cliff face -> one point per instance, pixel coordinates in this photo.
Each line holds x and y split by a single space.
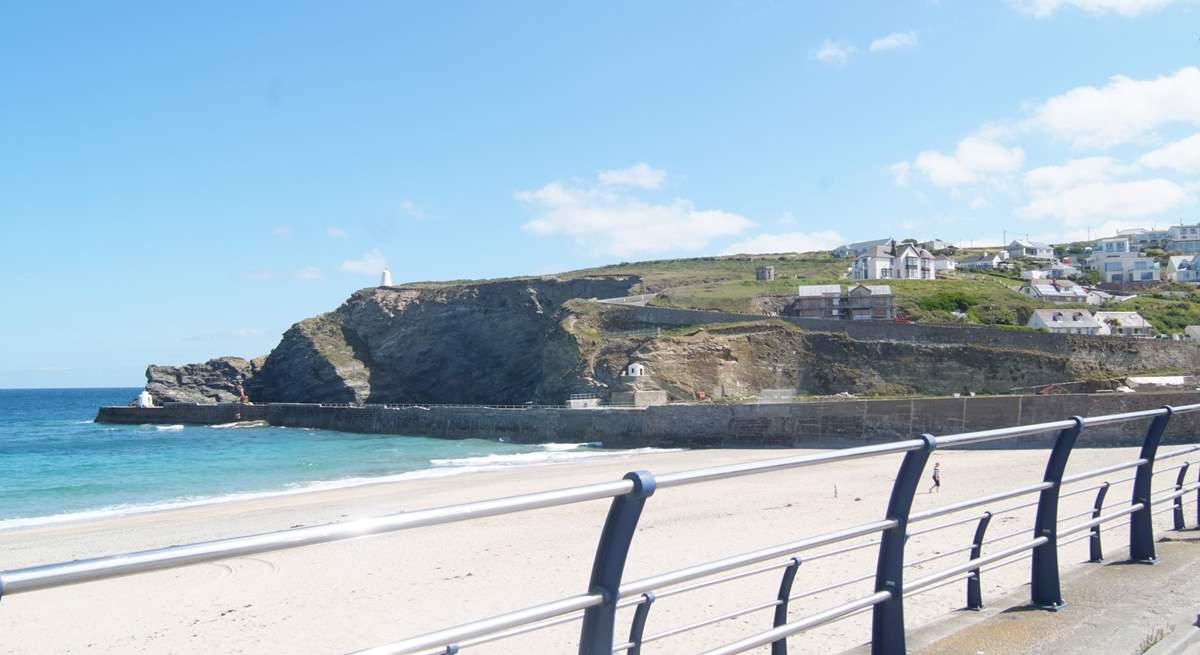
496 343
741 360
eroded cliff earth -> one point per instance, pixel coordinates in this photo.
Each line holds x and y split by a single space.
540 340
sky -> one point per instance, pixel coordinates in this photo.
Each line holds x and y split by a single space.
180 181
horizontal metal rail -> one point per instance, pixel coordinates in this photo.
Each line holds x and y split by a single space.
485 626
701 570
1177 453
807 623
783 463
968 565
1101 471
976 502
1103 518
707 622
53 575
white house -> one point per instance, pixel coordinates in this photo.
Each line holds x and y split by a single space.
1055 291
896 261
1183 268
1064 321
943 265
1192 331
1124 324
1184 238
981 262
1031 250
635 370
1034 274
1122 267
1063 270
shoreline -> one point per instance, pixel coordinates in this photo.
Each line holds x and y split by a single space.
437 468
365 592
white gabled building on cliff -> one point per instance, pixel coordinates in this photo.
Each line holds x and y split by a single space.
897 261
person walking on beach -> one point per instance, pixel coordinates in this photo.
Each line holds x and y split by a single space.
937 478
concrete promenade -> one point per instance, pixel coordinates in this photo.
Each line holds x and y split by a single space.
1114 607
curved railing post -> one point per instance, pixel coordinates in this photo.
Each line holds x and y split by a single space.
596 635
974 588
779 647
1095 551
1141 523
1178 504
887 620
1045 590
639 623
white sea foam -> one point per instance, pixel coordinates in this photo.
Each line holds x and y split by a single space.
168 428
242 424
551 453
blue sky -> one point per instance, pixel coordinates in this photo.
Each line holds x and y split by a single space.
184 181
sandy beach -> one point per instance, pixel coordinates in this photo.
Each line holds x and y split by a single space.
340 597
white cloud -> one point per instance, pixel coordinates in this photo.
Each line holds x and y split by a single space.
893 41
1074 173
1045 8
610 223
1138 198
336 232
371 263
975 158
415 211
282 231
901 173
1183 156
309 273
834 52
787 242
1124 111
640 175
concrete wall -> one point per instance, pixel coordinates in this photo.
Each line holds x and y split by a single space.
808 424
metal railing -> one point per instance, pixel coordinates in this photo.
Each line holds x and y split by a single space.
596 608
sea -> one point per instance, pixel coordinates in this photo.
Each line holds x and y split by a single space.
57 465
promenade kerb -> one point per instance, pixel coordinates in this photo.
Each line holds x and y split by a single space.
596 606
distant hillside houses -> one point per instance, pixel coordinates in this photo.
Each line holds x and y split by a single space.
1177 238
1124 324
861 247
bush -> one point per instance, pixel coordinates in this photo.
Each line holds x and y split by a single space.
948 301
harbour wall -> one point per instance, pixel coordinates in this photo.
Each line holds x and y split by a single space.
813 424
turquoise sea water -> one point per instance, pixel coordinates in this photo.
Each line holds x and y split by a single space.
55 464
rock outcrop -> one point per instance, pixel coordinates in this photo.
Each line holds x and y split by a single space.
216 380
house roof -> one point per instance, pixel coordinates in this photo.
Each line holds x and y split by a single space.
819 290
1123 319
1072 318
867 244
1062 288
874 289
985 257
1023 243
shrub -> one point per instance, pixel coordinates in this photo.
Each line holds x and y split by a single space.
948 301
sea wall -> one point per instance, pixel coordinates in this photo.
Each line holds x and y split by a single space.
805 424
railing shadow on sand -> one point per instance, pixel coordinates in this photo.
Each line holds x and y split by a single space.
607 592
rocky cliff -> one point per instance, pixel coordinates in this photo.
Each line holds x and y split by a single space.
536 340
496 342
